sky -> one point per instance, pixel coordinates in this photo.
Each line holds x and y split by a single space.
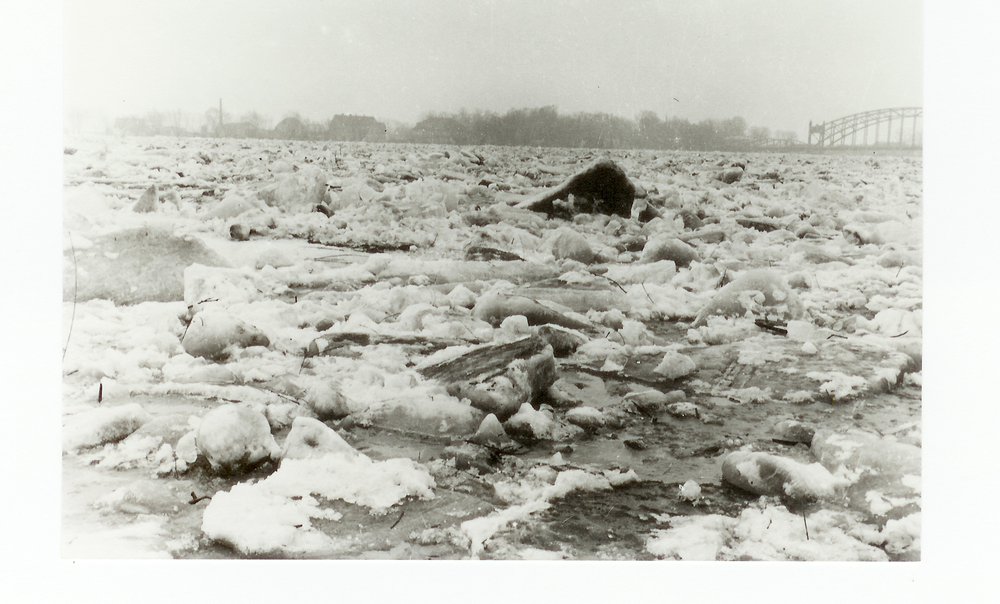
777 64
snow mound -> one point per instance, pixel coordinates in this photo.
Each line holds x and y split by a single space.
274 515
235 436
765 533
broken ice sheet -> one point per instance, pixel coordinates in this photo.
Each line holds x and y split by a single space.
358 249
273 515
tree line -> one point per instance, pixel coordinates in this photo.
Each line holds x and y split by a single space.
546 127
539 127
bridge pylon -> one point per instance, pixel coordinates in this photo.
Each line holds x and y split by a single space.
845 131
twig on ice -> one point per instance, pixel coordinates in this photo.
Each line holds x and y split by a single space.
397 520
616 284
805 525
646 292
195 499
72 316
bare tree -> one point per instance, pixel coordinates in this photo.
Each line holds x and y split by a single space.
156 120
178 119
255 119
212 118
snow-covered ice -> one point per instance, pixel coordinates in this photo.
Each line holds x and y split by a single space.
259 334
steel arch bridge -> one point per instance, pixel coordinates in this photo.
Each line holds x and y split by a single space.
867 126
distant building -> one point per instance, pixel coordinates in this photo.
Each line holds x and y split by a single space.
356 128
173 131
438 130
291 128
133 126
240 130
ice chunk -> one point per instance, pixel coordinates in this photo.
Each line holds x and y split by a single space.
790 430
760 292
527 366
683 410
280 415
675 250
300 191
461 297
312 438
884 474
150 445
895 259
149 202
768 532
588 418
131 541
255 520
273 515
424 408
533 499
690 491
102 425
774 533
839 385
692 537
235 436
214 332
514 328
894 322
571 245
205 285
730 175
902 536
891 231
766 474
801 331
275 257
675 365
186 451
539 425
491 433
494 308
233 205
133 266
651 401
658 272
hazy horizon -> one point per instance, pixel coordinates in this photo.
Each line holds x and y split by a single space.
775 64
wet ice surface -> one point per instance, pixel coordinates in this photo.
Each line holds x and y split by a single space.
236 291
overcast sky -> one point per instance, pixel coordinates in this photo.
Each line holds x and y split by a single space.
776 63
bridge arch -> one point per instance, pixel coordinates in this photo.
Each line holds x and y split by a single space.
866 129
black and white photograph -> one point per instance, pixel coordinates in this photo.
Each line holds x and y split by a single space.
517 300
556 282
492 280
